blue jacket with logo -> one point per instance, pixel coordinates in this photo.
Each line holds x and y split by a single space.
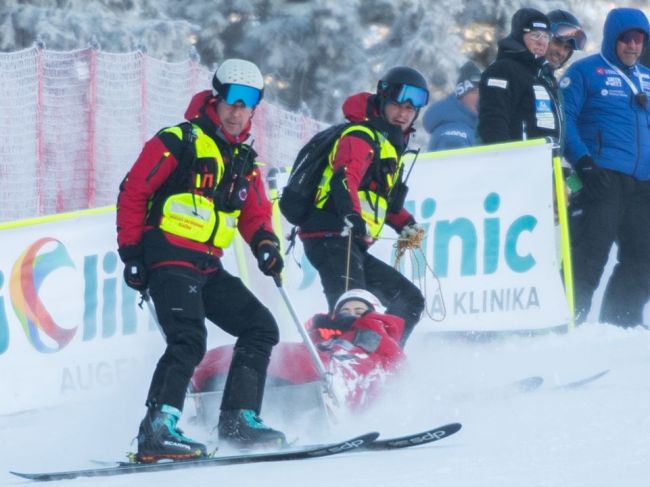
603 120
451 124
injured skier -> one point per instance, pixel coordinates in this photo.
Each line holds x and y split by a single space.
358 345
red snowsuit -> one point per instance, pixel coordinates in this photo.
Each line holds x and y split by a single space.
360 359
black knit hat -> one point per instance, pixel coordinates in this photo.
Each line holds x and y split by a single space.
469 77
527 19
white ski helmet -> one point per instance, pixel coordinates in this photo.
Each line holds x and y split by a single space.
360 295
238 80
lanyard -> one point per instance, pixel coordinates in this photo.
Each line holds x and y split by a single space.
629 82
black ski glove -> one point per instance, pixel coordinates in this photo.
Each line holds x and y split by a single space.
357 226
269 258
135 274
595 179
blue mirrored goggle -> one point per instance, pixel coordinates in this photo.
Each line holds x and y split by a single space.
247 95
414 94
569 33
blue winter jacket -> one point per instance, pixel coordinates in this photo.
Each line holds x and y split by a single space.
603 120
451 124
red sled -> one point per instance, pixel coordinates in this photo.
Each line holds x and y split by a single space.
293 392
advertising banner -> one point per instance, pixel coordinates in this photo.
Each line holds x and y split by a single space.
69 326
489 261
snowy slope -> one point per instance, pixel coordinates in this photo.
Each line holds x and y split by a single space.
595 436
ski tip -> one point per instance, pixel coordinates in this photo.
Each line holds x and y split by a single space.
582 382
28 476
452 428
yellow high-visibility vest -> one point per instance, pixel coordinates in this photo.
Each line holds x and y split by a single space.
373 205
191 214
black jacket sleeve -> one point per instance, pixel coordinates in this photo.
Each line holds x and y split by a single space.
496 104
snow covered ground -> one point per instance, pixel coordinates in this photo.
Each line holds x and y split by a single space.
598 435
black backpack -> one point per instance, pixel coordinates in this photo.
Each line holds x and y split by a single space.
298 196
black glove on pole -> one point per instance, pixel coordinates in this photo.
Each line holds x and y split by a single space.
135 274
269 258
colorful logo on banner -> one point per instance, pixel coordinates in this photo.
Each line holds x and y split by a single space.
27 276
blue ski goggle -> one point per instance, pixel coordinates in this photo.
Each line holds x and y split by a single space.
233 93
414 94
569 33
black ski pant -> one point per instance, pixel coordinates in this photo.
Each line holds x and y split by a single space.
183 298
621 216
399 295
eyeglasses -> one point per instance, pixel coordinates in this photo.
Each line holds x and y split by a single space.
641 99
249 96
403 93
569 33
632 35
537 35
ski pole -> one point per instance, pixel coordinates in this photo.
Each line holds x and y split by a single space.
347 231
147 299
325 376
415 158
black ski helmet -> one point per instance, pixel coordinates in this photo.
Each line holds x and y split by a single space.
391 84
565 27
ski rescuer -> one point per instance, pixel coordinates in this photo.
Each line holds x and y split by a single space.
192 187
362 189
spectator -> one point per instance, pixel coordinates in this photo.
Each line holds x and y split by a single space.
516 101
567 36
608 145
452 121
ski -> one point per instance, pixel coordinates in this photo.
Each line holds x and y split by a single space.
123 468
581 382
415 439
525 385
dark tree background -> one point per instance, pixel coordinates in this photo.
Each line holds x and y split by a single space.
313 53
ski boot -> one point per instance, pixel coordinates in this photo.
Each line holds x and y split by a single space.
159 438
243 428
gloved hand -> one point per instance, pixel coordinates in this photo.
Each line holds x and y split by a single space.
411 230
357 226
135 274
269 259
411 235
595 179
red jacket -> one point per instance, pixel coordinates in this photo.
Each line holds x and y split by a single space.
380 346
362 358
355 153
156 163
